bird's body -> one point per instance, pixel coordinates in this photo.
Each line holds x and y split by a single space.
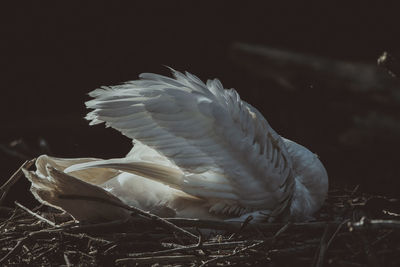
199 151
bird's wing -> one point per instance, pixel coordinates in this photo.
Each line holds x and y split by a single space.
224 146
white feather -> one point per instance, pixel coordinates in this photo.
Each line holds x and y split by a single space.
208 145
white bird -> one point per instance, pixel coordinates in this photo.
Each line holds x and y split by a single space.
199 151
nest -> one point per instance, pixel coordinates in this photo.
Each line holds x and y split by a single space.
352 229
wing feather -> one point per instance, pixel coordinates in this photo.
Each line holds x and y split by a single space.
204 130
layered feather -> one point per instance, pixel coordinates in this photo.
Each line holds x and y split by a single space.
212 144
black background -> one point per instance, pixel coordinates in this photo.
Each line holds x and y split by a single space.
53 53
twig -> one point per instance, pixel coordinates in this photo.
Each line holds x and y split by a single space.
224 245
364 224
5 212
323 247
159 259
97 227
256 244
67 261
336 232
14 250
201 238
43 253
369 253
22 241
81 253
91 238
35 214
13 179
354 190
244 224
381 237
15 216
162 222
46 233
307 226
107 251
214 260
118 239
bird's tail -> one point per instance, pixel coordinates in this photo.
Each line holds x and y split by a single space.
79 196
74 185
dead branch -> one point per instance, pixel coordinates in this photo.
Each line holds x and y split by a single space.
35 214
140 240
323 247
252 246
160 221
224 245
13 179
365 224
157 259
310 226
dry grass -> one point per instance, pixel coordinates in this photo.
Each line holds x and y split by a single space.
352 229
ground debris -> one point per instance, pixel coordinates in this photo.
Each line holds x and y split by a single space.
352 229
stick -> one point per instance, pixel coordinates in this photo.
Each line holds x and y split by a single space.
160 259
13 179
22 241
364 224
307 226
256 244
224 245
96 227
336 232
244 224
162 222
323 247
67 261
90 238
43 253
38 234
35 214
369 253
15 216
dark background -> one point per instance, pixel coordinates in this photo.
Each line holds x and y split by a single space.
53 53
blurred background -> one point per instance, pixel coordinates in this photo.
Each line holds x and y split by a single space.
309 68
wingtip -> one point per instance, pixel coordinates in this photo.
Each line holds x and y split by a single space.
170 68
